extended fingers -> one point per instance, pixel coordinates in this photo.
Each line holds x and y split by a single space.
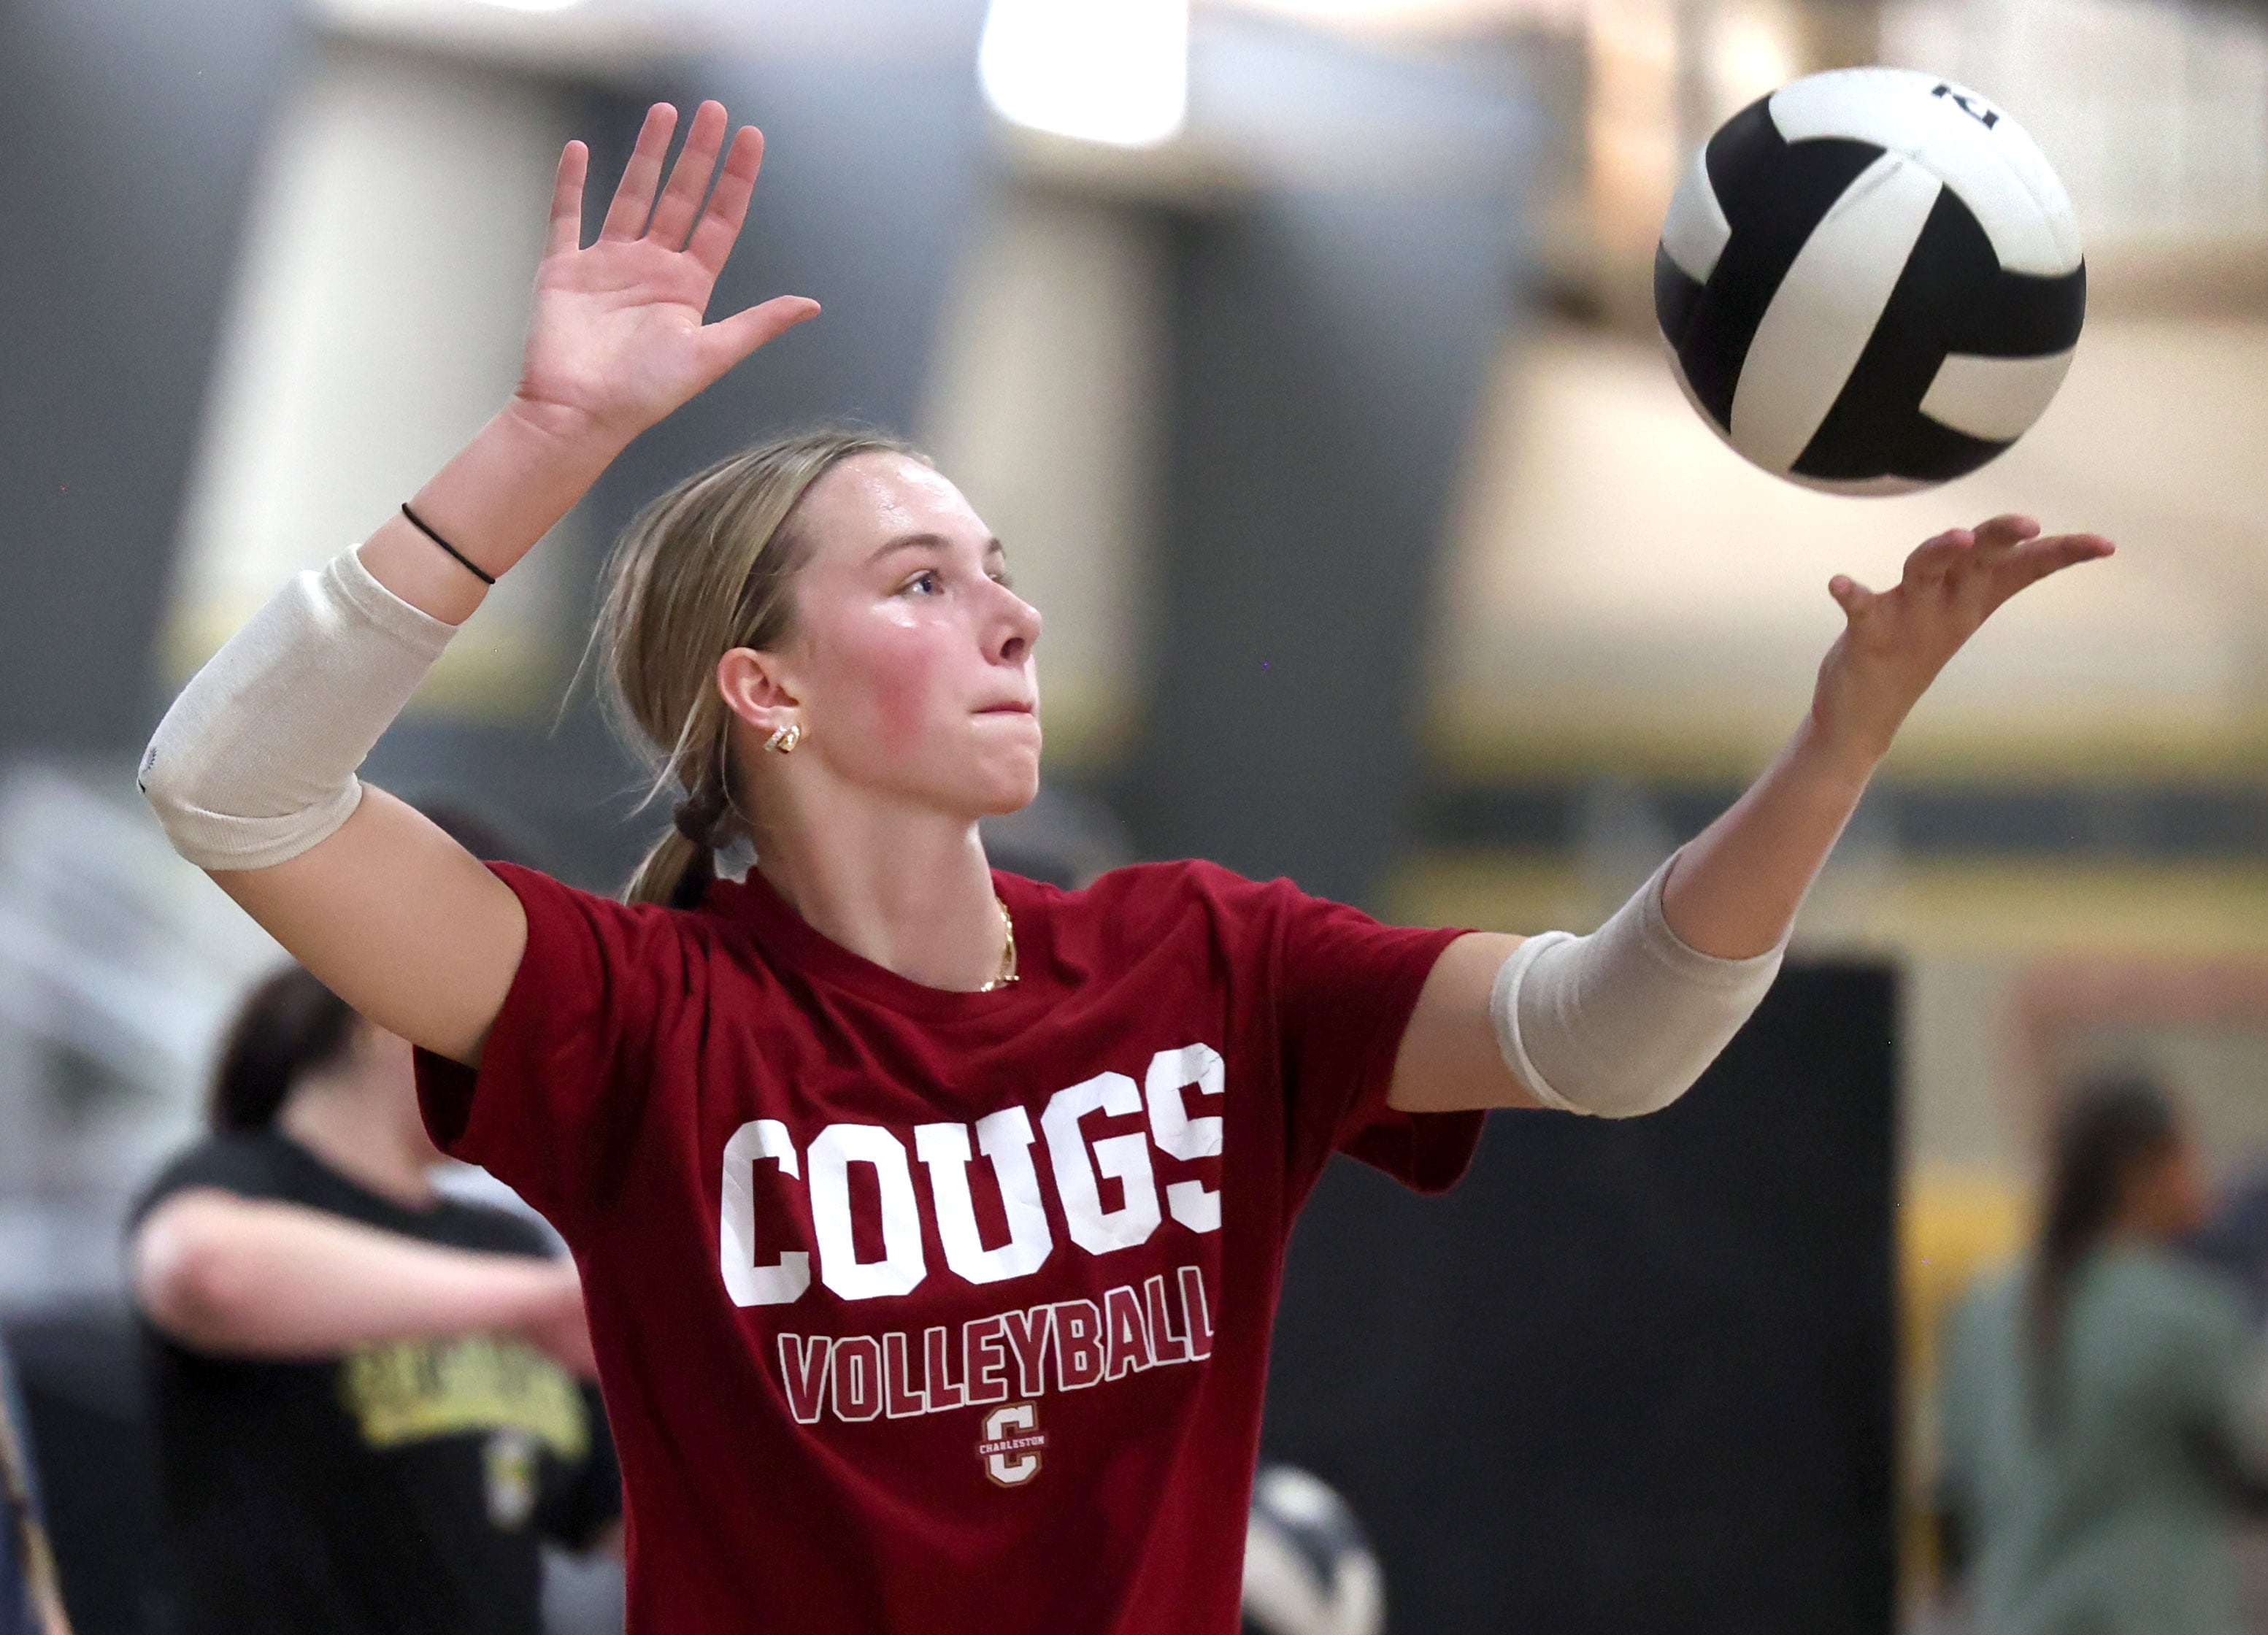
688 179
1954 555
720 223
566 230
2005 530
2034 559
1932 560
633 203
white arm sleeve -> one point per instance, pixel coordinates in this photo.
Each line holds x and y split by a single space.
1623 1021
255 761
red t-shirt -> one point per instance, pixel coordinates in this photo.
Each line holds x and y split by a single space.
924 1311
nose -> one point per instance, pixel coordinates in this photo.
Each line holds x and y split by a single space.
1016 628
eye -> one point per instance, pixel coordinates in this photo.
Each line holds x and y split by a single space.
1005 580
928 582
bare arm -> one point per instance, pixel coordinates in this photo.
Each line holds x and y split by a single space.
1734 888
248 1278
391 913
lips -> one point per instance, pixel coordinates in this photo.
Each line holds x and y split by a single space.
1007 709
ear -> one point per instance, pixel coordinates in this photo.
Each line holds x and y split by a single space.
755 687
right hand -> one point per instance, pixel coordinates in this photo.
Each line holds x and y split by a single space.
617 340
559 1326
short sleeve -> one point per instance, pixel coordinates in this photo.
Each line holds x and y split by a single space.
554 1106
243 1165
1345 988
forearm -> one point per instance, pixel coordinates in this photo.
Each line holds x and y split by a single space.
254 763
1736 886
1621 1022
245 1277
521 473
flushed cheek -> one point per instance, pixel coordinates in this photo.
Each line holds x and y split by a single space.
902 679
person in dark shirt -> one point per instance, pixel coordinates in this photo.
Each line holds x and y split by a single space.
369 1397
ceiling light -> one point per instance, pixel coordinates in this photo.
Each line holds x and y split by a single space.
1103 71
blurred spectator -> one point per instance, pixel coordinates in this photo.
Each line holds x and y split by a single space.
366 1407
30 1601
2102 1417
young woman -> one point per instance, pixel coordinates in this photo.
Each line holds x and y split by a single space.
368 1405
931 1219
2105 1410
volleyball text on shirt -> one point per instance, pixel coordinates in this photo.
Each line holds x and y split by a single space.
1026 1351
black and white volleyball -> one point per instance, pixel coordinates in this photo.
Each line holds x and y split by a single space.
1307 1568
1870 280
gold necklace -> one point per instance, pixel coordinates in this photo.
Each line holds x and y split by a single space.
1007 955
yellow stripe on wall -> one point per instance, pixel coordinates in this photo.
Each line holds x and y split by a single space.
1996 906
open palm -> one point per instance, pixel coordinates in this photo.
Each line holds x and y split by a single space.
1894 641
617 340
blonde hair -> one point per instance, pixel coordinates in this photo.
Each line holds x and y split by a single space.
707 567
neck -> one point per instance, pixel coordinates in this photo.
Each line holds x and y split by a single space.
908 890
355 1129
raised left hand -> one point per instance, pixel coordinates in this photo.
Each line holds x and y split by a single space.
1894 641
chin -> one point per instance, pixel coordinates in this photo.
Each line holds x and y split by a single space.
1005 787
1009 798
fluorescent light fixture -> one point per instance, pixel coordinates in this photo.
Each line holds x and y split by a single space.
1438 16
1102 70
532 5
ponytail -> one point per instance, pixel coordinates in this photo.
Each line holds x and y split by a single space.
288 1027
2108 1130
678 868
676 873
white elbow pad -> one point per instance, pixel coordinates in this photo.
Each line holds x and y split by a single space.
1623 1021
255 761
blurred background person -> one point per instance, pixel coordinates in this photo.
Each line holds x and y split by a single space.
2103 1409
31 1602
367 1400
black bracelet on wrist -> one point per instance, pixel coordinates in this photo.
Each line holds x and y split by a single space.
470 566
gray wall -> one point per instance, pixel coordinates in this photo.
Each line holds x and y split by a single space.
1330 339
132 127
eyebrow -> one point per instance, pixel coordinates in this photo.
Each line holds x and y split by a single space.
929 542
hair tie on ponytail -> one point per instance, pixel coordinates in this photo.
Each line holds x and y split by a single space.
693 885
695 819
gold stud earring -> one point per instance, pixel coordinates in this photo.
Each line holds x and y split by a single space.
786 739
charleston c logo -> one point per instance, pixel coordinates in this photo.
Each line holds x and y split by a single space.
1012 1444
